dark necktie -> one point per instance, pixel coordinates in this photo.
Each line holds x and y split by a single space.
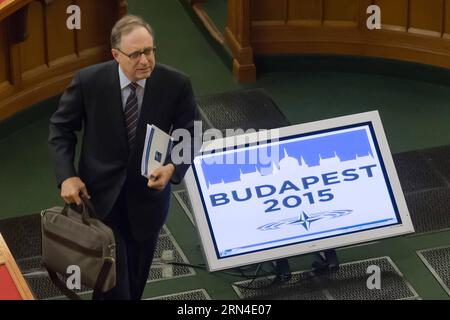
131 114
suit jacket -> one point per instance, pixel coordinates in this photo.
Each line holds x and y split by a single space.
93 102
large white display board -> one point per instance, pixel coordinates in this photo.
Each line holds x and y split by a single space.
319 185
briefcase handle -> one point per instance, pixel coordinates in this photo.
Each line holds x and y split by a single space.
89 206
87 210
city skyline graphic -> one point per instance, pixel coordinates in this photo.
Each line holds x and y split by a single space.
309 153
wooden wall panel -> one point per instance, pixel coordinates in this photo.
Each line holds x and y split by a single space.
33 50
305 12
341 12
43 64
96 23
4 54
268 11
412 30
60 40
426 17
394 14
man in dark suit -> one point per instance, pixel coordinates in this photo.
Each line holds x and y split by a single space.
113 102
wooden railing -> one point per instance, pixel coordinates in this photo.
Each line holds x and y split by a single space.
411 30
13 286
39 54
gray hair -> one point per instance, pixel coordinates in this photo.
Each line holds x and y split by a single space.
124 26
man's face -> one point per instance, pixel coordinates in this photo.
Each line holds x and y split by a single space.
140 67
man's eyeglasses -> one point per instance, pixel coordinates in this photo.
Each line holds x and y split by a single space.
137 54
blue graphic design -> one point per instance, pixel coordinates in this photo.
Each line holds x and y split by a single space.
227 168
158 156
305 220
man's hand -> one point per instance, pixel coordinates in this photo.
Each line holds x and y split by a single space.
159 178
71 189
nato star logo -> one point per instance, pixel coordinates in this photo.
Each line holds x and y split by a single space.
306 220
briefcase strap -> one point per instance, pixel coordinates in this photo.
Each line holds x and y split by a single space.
61 285
98 284
101 279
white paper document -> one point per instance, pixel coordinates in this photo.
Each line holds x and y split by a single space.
157 147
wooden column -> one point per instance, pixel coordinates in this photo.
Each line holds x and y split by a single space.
237 37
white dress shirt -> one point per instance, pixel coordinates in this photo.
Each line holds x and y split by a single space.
125 90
